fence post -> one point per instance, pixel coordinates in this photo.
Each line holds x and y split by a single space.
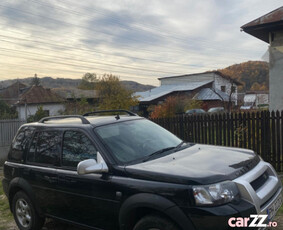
181 124
278 147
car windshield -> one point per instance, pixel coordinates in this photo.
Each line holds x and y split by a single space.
136 140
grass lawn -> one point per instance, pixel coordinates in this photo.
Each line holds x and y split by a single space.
6 217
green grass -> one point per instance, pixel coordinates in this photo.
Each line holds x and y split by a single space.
2 161
6 216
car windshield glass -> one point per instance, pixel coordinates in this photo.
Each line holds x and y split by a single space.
137 139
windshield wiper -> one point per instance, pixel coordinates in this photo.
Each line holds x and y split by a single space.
179 145
158 152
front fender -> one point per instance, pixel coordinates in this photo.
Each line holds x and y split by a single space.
154 202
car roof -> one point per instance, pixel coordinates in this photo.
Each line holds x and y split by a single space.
93 121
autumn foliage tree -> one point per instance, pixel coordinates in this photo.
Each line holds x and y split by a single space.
113 95
174 105
254 75
88 81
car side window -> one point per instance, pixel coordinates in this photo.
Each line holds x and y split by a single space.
21 143
77 147
45 148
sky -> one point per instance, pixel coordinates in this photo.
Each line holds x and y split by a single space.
135 40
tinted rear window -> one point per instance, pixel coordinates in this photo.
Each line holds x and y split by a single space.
45 148
21 143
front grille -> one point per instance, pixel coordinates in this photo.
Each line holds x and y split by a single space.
257 183
270 199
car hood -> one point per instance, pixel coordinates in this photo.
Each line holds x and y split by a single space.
198 164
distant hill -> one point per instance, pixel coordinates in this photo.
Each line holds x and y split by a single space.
253 74
52 83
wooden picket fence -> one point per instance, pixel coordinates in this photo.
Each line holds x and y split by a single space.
259 131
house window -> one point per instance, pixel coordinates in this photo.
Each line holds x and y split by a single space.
223 88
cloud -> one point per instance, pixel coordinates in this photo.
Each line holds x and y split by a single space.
21 14
153 35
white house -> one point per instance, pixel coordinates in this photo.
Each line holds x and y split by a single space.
36 96
254 100
211 87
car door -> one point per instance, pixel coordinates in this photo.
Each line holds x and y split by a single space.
85 199
42 159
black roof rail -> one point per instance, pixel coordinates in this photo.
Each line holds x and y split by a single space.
109 111
83 119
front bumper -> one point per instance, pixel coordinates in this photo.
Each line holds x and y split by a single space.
265 193
260 189
210 218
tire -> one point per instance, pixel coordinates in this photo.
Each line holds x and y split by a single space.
25 214
154 222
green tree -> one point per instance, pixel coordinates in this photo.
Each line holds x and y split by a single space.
192 104
88 81
35 81
40 113
6 112
113 95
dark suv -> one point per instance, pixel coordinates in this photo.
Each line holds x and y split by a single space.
125 172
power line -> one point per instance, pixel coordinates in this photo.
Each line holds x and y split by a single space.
92 50
100 63
89 50
103 32
88 61
29 66
118 22
71 24
87 68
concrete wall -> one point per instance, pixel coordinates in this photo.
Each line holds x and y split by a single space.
31 110
276 72
187 79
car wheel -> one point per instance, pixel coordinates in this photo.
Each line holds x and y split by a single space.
25 214
153 222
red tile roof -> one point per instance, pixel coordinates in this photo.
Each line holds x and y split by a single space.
11 94
39 95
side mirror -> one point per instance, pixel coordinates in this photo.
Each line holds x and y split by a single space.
91 166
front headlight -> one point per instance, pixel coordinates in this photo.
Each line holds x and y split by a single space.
215 194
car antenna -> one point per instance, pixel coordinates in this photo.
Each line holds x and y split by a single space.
117 117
